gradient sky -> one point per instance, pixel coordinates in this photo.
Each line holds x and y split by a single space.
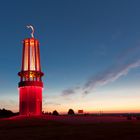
90 53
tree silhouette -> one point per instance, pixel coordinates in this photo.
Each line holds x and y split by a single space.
55 113
6 113
71 112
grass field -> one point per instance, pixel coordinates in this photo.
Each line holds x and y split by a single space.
69 128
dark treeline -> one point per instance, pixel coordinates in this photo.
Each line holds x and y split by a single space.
6 113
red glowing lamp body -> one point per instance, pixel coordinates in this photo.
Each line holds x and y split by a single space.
30 85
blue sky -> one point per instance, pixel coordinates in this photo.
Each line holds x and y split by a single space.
86 46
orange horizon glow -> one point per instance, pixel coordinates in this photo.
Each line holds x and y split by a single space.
89 112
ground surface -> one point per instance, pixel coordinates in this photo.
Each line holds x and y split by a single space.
69 128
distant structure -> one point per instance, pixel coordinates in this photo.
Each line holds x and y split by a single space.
80 111
30 85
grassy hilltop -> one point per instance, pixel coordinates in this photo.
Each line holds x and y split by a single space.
69 128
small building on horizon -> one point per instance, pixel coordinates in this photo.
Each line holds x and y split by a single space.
80 111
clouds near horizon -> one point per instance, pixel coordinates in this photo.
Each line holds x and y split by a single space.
109 76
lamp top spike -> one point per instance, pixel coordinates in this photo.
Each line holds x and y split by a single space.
32 28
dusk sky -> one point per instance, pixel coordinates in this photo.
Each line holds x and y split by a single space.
90 53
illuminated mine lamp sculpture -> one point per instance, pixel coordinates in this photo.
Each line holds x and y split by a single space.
30 85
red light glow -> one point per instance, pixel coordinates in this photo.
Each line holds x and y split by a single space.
30 100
